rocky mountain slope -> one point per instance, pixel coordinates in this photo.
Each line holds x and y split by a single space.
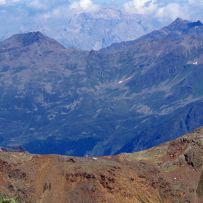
170 173
127 97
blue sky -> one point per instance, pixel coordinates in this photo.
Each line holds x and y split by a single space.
182 6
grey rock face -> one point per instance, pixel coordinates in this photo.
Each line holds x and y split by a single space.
129 96
88 31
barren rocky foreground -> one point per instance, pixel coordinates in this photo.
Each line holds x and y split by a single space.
172 172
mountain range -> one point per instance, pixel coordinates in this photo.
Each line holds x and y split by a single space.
169 173
87 31
127 97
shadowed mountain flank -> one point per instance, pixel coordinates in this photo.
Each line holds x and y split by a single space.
124 98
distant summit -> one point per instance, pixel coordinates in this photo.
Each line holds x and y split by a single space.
179 21
182 25
28 39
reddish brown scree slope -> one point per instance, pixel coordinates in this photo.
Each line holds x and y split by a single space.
172 172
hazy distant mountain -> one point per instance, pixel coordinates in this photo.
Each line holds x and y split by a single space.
127 97
88 31
95 31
